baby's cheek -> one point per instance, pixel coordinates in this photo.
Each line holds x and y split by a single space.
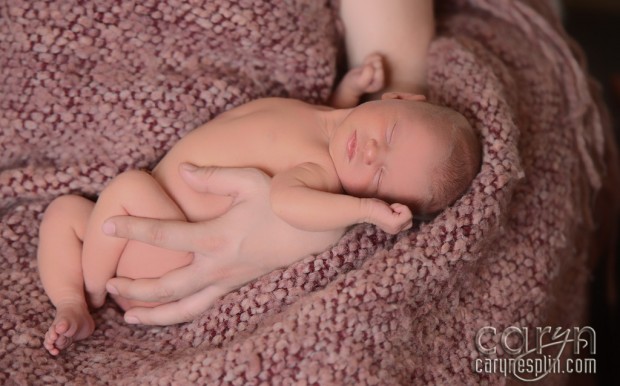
358 186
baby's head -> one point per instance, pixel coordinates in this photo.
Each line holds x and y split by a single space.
404 149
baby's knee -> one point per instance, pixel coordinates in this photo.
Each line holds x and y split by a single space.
131 178
66 212
64 206
128 181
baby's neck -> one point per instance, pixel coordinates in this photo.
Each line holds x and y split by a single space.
331 119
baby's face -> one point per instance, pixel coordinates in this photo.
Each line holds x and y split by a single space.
384 149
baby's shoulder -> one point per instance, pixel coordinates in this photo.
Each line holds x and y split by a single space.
283 104
271 106
319 174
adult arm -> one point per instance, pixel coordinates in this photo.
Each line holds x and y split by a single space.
399 30
218 266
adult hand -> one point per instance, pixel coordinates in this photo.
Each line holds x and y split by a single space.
240 245
222 261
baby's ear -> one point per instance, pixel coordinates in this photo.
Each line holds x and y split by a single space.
403 95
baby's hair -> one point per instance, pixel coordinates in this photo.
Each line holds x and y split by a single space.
452 177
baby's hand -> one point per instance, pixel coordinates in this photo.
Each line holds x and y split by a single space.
390 218
370 76
367 78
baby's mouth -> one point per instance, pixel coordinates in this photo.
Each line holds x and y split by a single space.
352 146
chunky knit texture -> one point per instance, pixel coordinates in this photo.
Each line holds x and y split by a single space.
91 88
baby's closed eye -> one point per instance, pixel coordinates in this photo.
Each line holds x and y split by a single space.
379 178
390 133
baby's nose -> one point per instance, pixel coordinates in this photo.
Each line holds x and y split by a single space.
371 152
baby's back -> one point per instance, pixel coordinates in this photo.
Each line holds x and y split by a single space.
270 134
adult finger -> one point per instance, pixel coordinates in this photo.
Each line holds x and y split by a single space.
180 311
169 234
225 181
174 285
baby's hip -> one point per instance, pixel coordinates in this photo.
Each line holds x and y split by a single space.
140 260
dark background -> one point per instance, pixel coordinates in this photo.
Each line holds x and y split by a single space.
595 24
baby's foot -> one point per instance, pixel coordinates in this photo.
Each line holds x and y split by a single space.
72 323
365 79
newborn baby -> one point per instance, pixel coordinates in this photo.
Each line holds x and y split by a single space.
330 168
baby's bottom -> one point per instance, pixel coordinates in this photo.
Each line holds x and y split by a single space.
133 193
139 260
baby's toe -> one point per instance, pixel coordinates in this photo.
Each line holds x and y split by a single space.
63 342
50 337
49 341
61 326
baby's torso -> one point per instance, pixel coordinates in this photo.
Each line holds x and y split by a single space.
270 134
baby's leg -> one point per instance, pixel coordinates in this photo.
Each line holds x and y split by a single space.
134 193
60 267
367 78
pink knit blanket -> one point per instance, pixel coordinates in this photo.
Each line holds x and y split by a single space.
91 88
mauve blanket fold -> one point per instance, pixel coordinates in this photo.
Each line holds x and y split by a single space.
89 89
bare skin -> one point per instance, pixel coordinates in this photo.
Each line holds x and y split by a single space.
71 324
400 31
72 321
73 224
367 78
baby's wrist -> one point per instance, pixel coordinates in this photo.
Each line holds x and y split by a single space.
368 209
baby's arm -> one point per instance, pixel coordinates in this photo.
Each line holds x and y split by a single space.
304 197
364 79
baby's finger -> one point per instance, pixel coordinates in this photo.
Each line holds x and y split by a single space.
400 208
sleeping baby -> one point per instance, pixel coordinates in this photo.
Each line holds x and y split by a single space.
330 168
